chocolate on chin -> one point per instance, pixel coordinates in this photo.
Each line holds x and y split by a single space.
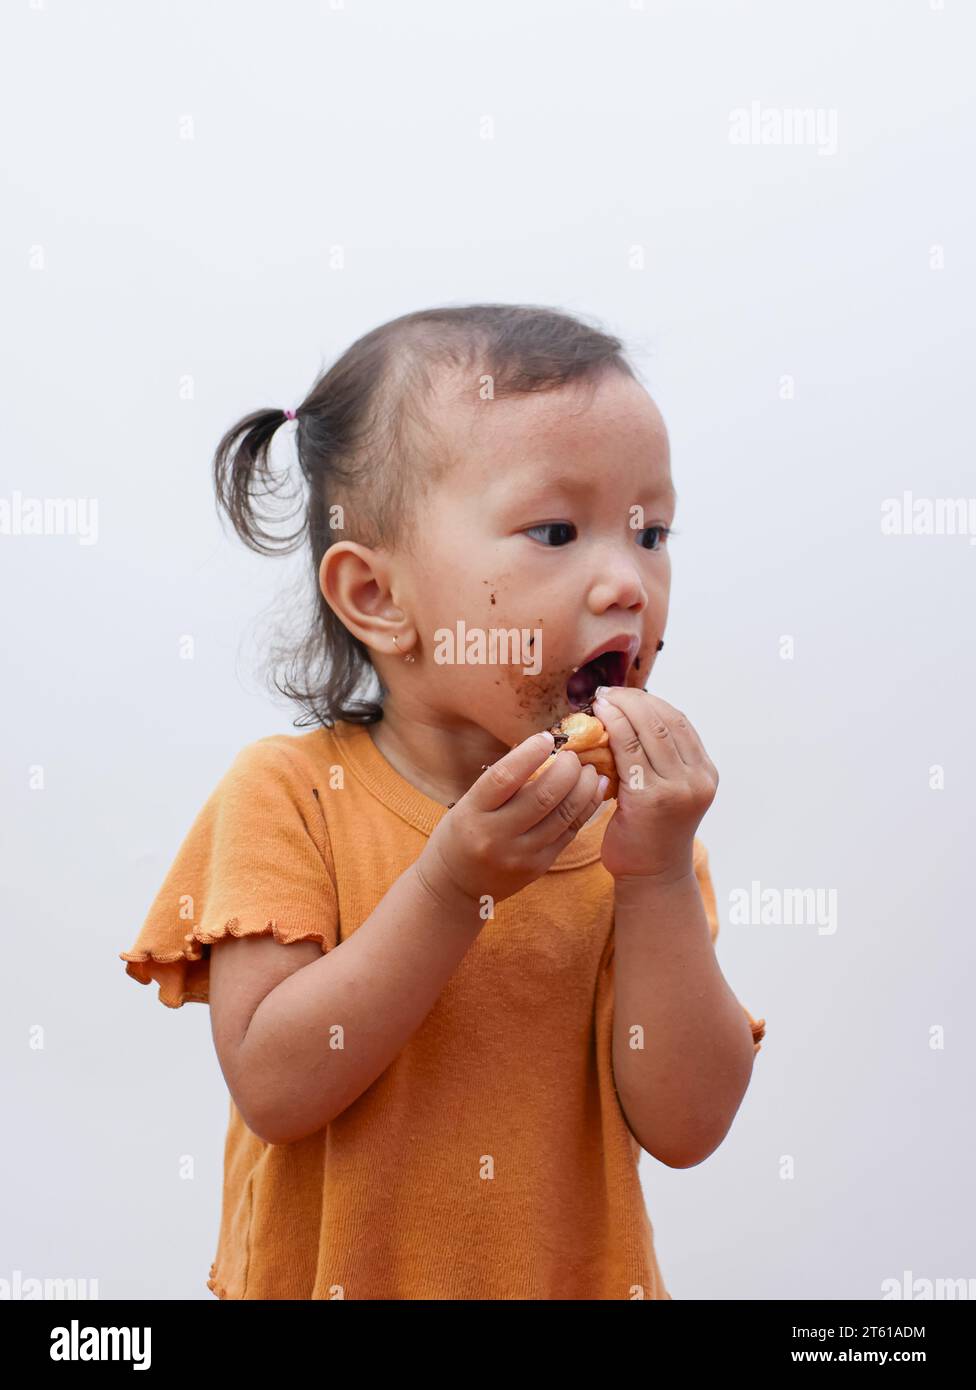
586 736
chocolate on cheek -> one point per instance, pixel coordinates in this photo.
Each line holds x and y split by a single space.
529 695
640 672
535 695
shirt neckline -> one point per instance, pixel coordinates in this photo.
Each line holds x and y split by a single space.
412 805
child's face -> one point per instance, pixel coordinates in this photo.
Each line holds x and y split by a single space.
500 547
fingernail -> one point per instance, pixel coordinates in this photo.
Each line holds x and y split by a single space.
600 690
601 704
546 733
602 784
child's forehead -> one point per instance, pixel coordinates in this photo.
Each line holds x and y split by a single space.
578 428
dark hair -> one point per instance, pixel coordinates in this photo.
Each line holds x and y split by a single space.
363 439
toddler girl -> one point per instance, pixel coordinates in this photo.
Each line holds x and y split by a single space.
452 1004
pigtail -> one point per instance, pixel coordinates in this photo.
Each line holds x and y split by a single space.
243 476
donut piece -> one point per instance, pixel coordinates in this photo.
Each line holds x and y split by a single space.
586 736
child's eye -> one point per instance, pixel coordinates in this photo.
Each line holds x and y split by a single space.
662 534
658 533
554 526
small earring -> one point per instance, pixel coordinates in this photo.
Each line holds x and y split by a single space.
407 656
660 644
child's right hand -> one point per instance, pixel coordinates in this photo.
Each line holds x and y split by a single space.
504 832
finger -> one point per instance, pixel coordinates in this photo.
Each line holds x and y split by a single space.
572 831
645 726
684 733
625 746
500 782
571 814
544 794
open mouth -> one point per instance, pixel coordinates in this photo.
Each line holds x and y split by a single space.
610 668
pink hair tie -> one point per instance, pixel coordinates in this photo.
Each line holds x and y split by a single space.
289 415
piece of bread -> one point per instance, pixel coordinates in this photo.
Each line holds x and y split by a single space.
583 734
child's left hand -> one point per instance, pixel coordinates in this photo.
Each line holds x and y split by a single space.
667 783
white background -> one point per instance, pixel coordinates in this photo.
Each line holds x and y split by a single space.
213 258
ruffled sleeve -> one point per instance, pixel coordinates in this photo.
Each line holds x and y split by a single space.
256 861
702 873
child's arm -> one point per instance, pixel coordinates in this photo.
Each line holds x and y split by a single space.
681 1088
680 1094
274 1007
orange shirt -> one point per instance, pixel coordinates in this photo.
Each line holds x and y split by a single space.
491 1160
